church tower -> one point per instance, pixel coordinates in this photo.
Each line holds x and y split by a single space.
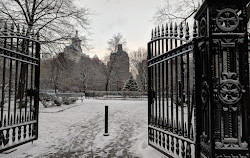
74 50
76 42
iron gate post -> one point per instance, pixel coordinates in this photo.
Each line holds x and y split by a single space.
37 85
197 92
224 106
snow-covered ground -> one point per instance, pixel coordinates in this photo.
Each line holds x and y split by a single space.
76 130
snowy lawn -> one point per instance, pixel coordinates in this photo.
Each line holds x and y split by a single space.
76 130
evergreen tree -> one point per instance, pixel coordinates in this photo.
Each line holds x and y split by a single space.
131 85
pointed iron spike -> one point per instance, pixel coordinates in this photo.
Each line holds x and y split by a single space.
18 30
12 27
181 27
23 30
162 30
181 30
5 25
155 32
195 29
171 29
187 27
4 121
187 32
152 34
175 30
159 31
11 120
37 35
5 31
166 32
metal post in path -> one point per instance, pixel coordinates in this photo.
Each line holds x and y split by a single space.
106 121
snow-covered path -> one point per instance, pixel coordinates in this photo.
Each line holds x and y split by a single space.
77 131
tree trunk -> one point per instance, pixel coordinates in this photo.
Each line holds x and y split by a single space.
107 85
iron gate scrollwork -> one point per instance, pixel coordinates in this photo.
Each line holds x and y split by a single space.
198 94
19 83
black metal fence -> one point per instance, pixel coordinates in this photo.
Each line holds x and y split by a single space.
198 92
19 83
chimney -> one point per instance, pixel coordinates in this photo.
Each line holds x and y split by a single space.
120 48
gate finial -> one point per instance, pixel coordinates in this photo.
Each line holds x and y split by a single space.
18 30
12 29
159 31
23 31
187 32
5 31
152 34
162 30
195 29
181 30
155 33
38 35
166 32
171 29
175 30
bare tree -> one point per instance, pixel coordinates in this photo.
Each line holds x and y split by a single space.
108 70
178 11
138 62
56 20
114 41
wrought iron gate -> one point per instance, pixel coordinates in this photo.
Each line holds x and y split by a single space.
19 83
171 105
198 94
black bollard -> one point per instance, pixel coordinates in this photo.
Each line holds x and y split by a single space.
106 121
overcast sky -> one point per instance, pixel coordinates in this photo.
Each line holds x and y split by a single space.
132 18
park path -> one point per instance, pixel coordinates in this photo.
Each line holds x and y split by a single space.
77 132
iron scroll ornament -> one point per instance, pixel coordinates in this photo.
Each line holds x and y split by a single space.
203 29
204 92
229 90
227 19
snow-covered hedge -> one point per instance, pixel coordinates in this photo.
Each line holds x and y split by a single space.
51 100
